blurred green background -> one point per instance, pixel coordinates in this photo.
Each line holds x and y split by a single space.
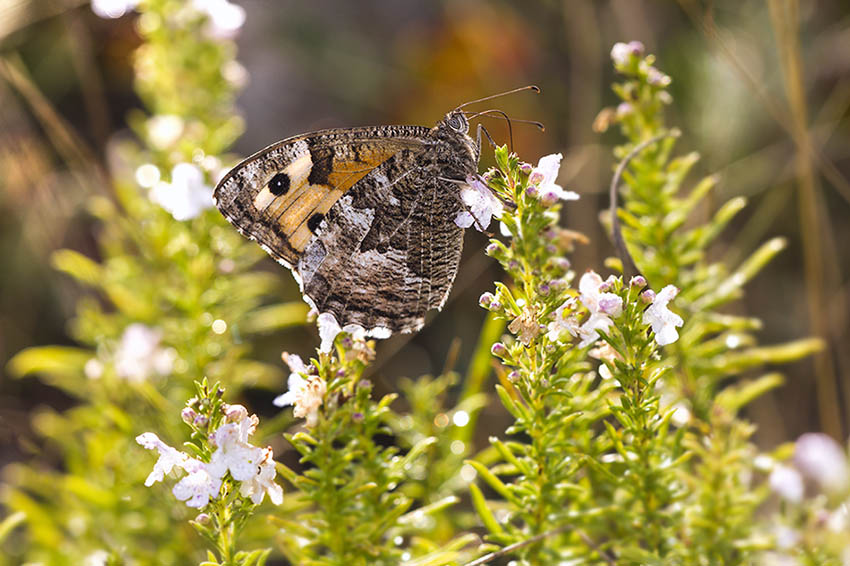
761 90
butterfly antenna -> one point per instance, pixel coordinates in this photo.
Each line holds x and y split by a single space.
501 114
487 113
492 96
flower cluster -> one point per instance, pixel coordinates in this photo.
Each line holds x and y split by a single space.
819 461
306 390
814 487
231 455
186 196
602 306
138 356
630 57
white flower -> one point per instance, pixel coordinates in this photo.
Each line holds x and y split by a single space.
198 486
251 466
305 395
147 175
329 329
481 205
602 306
233 452
93 369
164 130
186 196
112 8
139 355
605 353
620 53
821 459
96 558
168 457
225 18
564 320
262 482
662 320
545 175
787 483
786 537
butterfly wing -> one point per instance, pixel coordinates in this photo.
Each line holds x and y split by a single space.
362 218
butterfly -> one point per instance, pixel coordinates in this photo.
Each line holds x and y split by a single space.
363 217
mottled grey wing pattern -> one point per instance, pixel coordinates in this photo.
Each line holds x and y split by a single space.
388 250
363 217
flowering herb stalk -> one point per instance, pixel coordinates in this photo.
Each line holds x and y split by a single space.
716 349
174 296
563 474
226 476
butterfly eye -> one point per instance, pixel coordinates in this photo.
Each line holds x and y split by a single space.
455 123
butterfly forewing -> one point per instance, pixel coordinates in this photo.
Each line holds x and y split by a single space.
272 195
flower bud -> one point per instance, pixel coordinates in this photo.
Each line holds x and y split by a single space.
203 519
235 413
188 415
636 48
201 421
557 284
536 178
549 198
340 373
562 264
499 350
657 78
357 417
624 109
514 376
551 249
486 299
647 296
621 54
532 191
495 250
496 306
544 289
526 168
610 304
513 265
637 281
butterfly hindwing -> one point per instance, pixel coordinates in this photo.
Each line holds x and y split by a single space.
388 250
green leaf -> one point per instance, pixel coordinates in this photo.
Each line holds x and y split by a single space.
10 523
275 317
493 481
78 266
736 396
483 510
58 361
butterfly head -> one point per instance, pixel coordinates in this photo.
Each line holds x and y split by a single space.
456 122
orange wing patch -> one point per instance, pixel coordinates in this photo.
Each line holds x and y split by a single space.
312 182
